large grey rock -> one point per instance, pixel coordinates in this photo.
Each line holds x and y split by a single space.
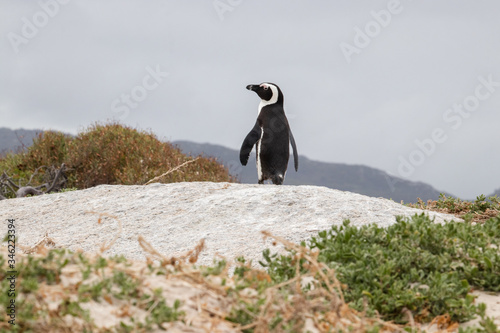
174 217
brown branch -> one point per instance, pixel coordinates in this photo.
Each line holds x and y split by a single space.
5 181
190 256
10 181
26 190
319 267
171 170
23 191
46 240
58 174
34 173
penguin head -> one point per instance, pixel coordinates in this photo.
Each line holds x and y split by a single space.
268 92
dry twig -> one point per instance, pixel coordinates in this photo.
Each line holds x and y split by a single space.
171 170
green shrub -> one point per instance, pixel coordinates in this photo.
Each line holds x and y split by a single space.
478 210
109 280
48 149
108 154
415 264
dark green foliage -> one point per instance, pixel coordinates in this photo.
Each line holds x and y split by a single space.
414 264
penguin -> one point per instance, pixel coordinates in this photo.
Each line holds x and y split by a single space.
271 136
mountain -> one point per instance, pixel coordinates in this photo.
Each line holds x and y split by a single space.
11 140
496 192
354 178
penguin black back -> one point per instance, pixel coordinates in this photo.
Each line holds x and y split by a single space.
271 135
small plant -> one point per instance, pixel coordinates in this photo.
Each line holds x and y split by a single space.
161 312
478 210
103 280
346 279
415 264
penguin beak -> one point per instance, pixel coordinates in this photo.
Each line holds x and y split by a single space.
253 87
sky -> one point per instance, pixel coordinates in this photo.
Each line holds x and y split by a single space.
409 87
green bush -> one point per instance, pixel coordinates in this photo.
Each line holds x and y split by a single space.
478 210
114 154
415 264
48 149
102 280
108 154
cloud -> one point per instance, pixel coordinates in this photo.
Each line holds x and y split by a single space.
368 111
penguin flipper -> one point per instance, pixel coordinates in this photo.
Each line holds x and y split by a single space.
249 142
294 147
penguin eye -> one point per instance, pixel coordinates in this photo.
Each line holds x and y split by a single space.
266 87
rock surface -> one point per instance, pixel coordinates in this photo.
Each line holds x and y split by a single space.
174 217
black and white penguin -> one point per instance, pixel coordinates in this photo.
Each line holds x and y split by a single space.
271 136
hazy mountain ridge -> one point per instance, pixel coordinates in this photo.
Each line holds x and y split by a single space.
11 140
496 192
354 178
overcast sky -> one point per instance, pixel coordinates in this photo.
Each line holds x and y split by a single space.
410 87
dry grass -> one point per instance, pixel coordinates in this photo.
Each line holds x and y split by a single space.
480 210
211 299
62 291
170 171
308 302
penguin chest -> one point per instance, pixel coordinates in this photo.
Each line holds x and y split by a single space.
258 152
272 153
